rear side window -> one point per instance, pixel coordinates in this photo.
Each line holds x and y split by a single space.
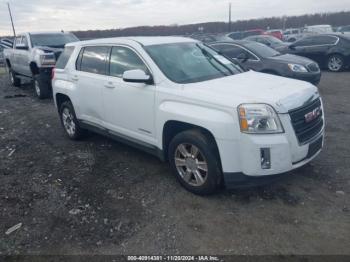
64 57
94 60
124 59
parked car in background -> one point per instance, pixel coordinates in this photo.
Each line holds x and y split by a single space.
235 35
318 29
1 56
276 33
33 56
292 35
214 123
209 38
267 40
260 58
331 51
344 29
253 32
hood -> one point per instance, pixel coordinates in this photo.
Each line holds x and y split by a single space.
288 58
282 93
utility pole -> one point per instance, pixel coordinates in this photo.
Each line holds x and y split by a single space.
229 17
13 27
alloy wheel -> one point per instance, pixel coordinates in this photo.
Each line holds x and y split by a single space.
335 63
37 88
68 121
191 164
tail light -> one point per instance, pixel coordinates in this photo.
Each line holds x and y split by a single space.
53 73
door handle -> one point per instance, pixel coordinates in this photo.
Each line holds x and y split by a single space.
75 78
109 85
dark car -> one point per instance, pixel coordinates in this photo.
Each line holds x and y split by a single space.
261 58
344 29
268 40
331 51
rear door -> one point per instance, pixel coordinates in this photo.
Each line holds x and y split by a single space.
90 77
129 107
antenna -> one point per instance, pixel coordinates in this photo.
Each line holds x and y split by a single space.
229 17
13 27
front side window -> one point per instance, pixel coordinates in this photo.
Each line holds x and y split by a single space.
307 41
94 60
191 62
124 59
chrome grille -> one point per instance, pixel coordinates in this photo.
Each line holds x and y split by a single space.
306 129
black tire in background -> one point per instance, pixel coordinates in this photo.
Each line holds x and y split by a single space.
41 87
71 125
335 63
207 148
14 80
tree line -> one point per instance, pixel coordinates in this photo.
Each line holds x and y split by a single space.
334 19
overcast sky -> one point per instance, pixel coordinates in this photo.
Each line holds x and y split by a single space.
44 15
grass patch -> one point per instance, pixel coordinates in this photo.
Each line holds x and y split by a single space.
2 70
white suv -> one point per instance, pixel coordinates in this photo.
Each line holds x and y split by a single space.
185 103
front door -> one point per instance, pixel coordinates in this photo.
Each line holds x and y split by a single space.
129 107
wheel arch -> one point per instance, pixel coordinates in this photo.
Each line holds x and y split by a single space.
173 127
60 99
34 68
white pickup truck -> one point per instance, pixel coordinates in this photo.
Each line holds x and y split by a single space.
184 102
33 56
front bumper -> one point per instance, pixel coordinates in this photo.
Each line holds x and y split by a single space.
313 78
242 167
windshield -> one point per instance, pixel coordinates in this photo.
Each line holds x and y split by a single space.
191 62
262 50
52 40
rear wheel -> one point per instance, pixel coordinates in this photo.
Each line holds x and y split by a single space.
70 122
42 87
335 63
192 157
14 80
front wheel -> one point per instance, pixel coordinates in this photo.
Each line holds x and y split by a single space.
194 161
335 63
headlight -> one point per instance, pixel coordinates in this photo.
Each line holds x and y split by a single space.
47 59
259 119
297 68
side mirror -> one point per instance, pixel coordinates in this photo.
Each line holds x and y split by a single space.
22 47
242 57
292 47
137 76
268 44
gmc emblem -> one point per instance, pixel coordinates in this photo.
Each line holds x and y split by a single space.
313 115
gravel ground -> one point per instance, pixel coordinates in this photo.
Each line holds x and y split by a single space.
101 197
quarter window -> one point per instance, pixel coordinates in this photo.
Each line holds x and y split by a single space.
124 59
94 60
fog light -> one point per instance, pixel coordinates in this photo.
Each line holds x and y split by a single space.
265 157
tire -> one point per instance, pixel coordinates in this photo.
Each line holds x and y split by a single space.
335 63
193 159
69 121
14 80
41 87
